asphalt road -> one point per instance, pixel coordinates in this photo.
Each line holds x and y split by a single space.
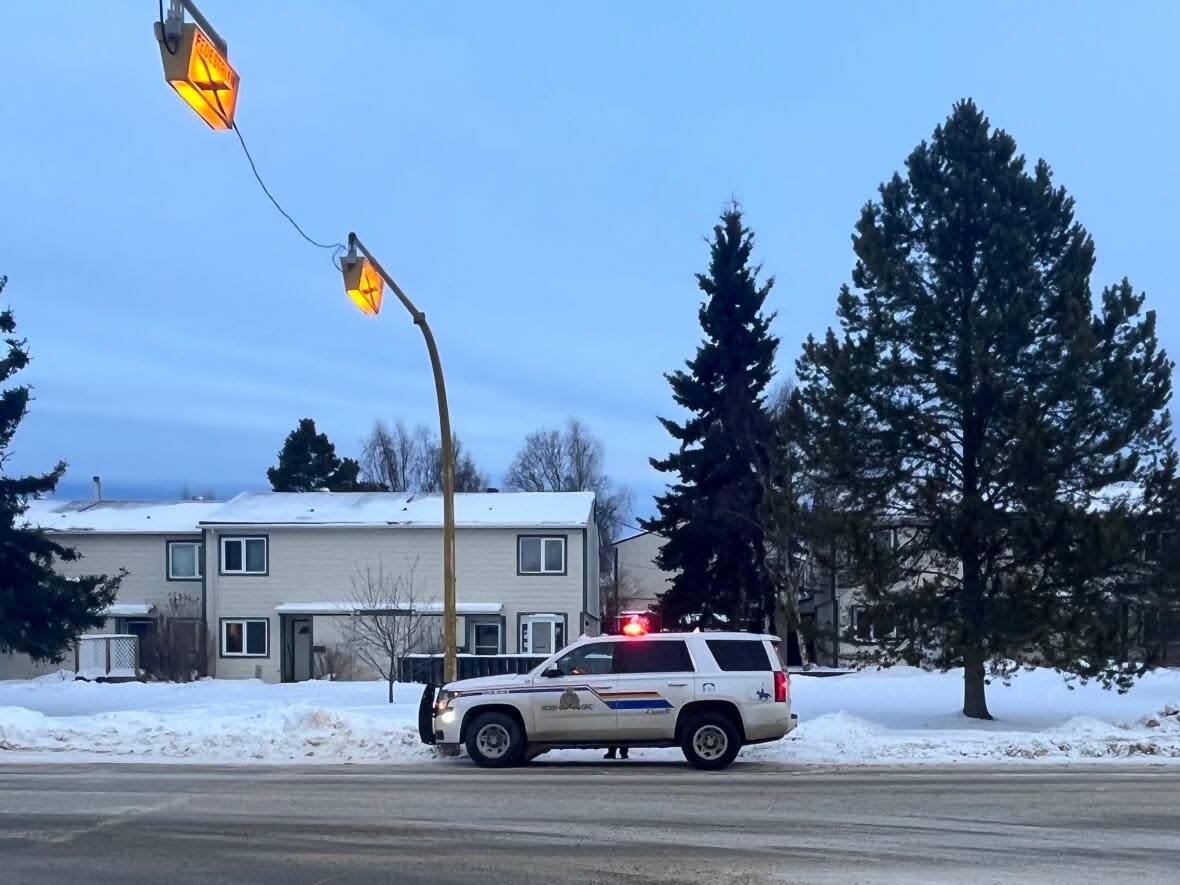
553 822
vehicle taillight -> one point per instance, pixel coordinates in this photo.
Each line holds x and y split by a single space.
781 686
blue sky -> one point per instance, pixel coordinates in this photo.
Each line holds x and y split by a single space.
539 176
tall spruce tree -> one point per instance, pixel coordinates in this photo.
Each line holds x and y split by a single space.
308 462
41 612
1016 437
712 513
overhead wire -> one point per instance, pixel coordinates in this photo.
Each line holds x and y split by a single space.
337 249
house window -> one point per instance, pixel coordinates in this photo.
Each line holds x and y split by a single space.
867 628
245 638
541 556
243 556
485 639
185 560
861 628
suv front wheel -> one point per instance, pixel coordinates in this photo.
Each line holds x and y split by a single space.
495 740
710 741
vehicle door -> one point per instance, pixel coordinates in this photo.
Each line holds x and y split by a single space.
568 705
653 681
746 671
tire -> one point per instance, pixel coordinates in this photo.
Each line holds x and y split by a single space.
710 741
495 740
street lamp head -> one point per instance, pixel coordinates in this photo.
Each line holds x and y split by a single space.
200 73
362 283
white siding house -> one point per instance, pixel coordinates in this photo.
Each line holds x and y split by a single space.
157 543
284 571
276 576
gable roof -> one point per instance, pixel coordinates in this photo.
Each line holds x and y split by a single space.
472 510
119 517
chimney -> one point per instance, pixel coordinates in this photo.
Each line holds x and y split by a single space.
97 480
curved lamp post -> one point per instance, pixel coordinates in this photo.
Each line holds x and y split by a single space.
196 65
364 281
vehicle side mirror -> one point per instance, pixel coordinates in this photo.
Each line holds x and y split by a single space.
552 673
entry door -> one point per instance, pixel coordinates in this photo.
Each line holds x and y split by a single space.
572 706
654 679
301 649
541 634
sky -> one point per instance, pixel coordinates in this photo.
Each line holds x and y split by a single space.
540 177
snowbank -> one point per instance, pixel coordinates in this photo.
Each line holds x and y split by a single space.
895 716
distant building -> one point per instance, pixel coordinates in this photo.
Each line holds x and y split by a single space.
639 581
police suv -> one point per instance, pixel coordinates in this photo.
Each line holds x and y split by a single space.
708 693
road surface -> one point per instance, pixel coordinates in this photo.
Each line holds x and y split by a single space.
576 822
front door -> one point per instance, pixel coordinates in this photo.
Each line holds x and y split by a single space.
541 634
654 679
301 649
570 707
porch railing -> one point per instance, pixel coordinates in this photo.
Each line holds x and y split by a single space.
107 656
428 668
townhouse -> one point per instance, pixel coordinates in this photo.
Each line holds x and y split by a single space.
279 579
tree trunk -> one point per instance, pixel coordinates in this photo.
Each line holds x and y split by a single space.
391 675
974 695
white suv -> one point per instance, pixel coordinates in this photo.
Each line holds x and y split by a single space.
708 693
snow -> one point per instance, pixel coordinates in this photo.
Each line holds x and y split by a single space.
899 716
127 609
130 517
472 510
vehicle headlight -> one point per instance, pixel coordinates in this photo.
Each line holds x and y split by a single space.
443 700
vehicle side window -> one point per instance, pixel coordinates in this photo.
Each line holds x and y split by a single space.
652 656
593 659
740 654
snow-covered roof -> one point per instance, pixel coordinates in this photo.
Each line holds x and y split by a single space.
472 510
128 609
353 608
119 517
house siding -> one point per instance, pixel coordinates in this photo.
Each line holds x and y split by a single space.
143 556
639 580
319 564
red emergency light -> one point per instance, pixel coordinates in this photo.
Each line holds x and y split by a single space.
634 627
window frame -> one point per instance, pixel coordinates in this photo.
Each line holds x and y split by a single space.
716 645
597 643
556 619
173 542
221 569
244 653
564 539
649 643
860 611
475 646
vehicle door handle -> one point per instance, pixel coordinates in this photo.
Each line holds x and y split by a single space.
677 684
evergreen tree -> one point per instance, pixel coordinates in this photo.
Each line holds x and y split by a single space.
712 514
308 462
41 612
1017 439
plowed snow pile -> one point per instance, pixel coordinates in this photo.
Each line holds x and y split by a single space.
895 716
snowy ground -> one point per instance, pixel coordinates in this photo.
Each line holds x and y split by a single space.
897 716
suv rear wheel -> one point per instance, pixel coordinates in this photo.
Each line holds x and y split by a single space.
495 740
710 741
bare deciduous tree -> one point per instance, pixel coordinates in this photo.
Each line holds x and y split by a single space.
402 459
572 460
175 649
391 620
